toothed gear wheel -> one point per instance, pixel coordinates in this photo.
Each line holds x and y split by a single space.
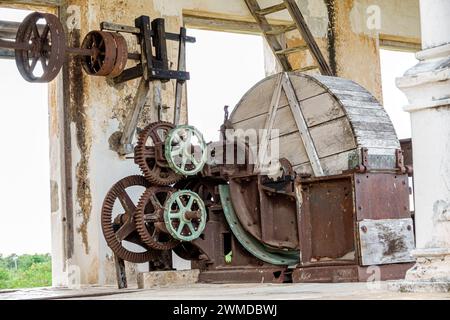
150 140
122 227
150 218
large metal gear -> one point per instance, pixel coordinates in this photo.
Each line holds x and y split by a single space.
150 218
149 154
123 227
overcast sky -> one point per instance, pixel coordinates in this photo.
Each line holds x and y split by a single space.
223 67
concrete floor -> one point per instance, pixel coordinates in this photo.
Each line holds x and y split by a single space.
344 291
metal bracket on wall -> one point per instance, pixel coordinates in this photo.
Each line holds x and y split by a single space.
153 67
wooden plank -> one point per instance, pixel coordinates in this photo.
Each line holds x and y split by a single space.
180 84
367 112
290 50
256 101
386 241
54 3
320 109
360 104
271 9
299 20
331 165
334 83
369 119
302 126
305 86
292 148
281 30
218 24
132 118
333 137
270 119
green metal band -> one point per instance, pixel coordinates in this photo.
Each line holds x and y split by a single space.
252 245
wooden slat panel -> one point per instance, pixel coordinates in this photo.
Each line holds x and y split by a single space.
320 109
333 164
305 87
333 137
302 126
292 148
256 101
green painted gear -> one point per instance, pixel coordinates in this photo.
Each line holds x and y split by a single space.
178 150
278 257
177 209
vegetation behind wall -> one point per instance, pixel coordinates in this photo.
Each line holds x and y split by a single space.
25 271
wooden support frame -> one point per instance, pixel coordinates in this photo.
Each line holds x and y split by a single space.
263 146
302 126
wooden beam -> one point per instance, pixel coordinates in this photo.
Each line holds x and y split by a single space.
219 24
52 3
302 126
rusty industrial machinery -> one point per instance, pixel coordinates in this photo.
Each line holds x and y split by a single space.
331 204
40 50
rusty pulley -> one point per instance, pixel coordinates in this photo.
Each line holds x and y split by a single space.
40 49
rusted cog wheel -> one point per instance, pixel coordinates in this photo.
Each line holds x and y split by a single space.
122 227
149 154
45 35
150 218
103 44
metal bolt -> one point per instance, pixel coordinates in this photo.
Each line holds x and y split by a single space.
364 229
409 228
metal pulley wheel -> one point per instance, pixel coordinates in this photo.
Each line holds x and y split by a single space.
121 54
185 215
122 228
149 154
104 53
150 218
40 40
186 150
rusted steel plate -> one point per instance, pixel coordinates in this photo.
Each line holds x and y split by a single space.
326 274
386 241
385 272
244 275
382 196
406 146
326 224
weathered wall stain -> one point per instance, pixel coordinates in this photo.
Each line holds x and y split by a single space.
54 198
83 140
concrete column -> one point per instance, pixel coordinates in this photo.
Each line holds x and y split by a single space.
427 86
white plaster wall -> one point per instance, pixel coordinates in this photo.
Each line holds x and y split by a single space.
431 136
435 30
